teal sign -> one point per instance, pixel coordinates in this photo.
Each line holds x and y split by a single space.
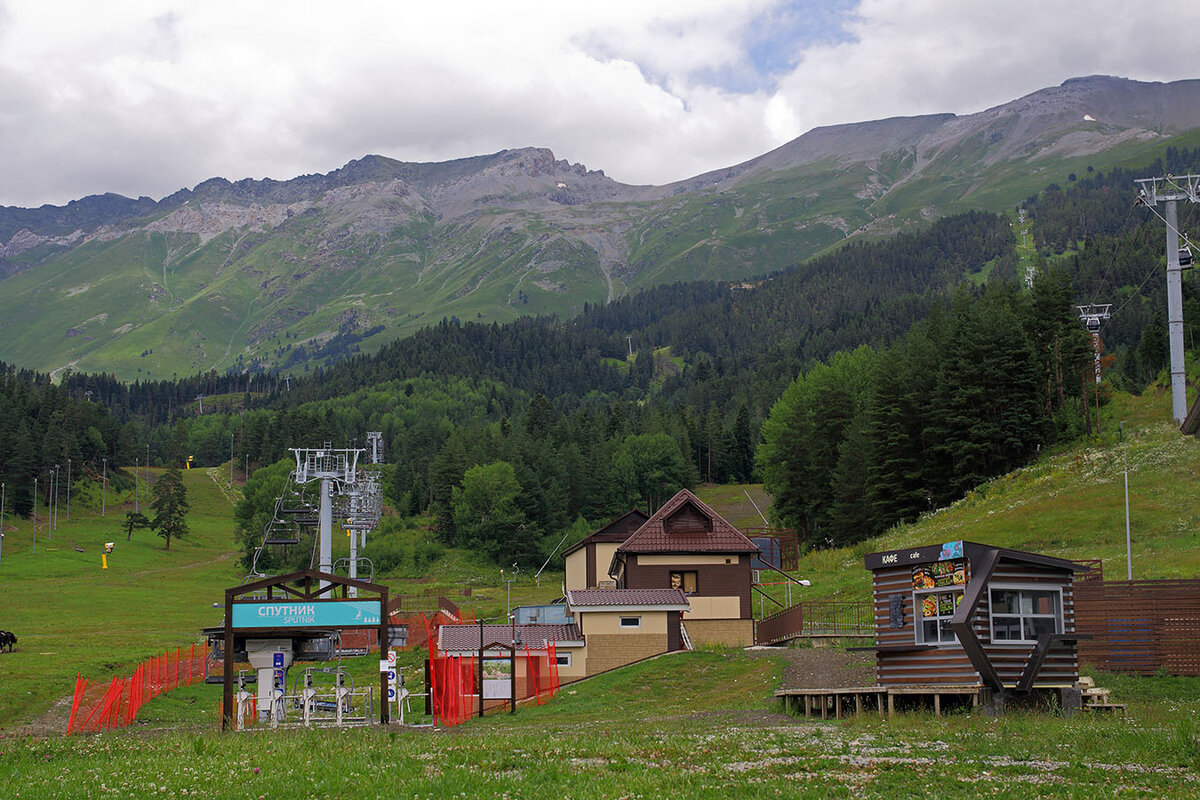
305 614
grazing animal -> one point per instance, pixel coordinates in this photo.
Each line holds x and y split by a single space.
7 638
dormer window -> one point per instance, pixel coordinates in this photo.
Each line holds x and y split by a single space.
687 519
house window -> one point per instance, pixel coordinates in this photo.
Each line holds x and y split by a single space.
1021 614
934 611
685 581
631 622
563 659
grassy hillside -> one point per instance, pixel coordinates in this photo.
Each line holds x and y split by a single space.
699 724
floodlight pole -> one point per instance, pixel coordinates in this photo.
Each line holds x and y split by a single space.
1170 190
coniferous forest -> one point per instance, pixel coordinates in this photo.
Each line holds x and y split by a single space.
862 387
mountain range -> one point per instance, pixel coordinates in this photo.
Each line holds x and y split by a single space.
278 274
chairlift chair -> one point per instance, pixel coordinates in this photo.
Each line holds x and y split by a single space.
1185 257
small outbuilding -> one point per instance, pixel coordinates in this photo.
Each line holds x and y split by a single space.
967 614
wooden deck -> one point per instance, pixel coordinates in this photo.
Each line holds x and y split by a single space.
834 702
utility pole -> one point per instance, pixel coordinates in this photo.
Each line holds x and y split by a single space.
68 490
135 483
1170 190
104 491
2 498
35 501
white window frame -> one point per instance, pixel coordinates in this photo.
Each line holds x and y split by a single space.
919 620
621 622
562 659
1057 615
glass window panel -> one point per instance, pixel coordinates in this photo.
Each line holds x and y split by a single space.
929 631
1036 626
1006 628
1004 602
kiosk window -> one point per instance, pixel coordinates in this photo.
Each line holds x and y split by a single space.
1022 614
934 611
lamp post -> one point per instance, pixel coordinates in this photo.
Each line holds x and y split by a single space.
104 490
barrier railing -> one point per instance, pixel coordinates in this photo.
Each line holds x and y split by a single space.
120 702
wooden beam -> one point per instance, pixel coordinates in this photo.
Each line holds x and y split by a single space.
982 569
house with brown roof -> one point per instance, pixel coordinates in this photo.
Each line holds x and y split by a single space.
621 626
686 545
587 560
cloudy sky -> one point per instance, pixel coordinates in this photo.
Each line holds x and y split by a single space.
143 97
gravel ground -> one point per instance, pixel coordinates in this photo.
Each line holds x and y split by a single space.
822 667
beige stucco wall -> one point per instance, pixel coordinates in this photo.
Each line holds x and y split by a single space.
712 608
578 668
576 570
683 560
609 623
608 651
731 632
604 555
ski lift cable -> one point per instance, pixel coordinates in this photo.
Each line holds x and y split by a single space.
1106 274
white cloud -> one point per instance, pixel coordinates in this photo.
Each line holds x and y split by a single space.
147 96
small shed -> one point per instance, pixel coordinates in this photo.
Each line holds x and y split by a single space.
962 613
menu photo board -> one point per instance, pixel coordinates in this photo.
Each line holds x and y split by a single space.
940 574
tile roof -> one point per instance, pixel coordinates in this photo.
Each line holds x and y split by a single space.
658 535
602 598
466 637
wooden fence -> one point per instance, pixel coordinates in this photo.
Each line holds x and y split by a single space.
1140 627
817 619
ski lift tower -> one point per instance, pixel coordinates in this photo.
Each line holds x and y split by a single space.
375 443
1092 316
1170 190
331 467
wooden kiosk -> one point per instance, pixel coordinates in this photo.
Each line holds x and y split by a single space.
962 619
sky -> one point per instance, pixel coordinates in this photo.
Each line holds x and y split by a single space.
145 97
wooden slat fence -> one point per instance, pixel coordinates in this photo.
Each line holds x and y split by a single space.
817 618
1140 627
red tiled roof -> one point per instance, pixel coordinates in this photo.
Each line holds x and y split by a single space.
658 535
466 637
599 598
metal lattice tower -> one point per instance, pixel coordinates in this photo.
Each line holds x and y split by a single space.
1170 190
375 443
1092 316
331 467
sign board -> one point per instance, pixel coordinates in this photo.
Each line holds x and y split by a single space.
277 660
391 693
391 676
307 614
391 659
497 679
384 665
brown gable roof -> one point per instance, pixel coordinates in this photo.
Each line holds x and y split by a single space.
618 530
686 524
457 638
599 599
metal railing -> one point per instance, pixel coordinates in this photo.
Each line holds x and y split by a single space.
817 619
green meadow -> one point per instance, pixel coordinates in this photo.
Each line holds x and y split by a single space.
695 724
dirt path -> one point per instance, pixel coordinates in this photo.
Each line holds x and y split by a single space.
822 667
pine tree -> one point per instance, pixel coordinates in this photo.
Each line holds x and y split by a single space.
170 506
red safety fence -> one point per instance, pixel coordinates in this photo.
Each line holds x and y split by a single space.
118 704
454 680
